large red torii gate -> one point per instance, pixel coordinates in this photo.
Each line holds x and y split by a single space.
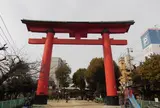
77 30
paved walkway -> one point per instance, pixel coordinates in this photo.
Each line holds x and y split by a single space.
73 104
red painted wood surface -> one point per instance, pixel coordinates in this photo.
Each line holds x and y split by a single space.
77 41
109 66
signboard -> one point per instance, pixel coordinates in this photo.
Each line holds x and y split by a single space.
154 36
151 36
152 49
145 40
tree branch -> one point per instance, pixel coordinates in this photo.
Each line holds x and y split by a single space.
4 47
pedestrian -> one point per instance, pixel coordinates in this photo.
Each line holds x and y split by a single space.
27 103
88 97
57 96
66 96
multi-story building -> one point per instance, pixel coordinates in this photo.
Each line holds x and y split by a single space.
125 77
56 62
151 42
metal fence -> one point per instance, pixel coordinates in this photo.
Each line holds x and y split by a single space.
148 104
12 103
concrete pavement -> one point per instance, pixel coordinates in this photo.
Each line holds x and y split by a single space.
73 104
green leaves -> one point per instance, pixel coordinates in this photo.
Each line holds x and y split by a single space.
147 76
150 69
95 71
95 75
62 74
79 78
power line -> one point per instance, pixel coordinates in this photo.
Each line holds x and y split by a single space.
7 30
7 40
3 37
6 36
21 49
5 51
138 55
0 42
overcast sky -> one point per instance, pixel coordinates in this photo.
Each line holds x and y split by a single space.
145 13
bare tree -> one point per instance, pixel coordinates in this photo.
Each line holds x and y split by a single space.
3 48
16 76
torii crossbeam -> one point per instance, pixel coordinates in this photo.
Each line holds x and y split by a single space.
77 30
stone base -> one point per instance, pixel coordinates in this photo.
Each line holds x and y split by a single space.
111 100
41 99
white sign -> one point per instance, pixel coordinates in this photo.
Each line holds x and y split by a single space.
156 99
145 41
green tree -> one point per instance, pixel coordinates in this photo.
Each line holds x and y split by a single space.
150 69
147 75
79 78
95 75
62 74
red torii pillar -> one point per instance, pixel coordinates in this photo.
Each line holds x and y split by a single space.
42 87
77 30
111 88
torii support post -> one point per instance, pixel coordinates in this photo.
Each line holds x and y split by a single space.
78 30
42 87
111 88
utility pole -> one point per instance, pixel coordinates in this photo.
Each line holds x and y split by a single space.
129 58
129 83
